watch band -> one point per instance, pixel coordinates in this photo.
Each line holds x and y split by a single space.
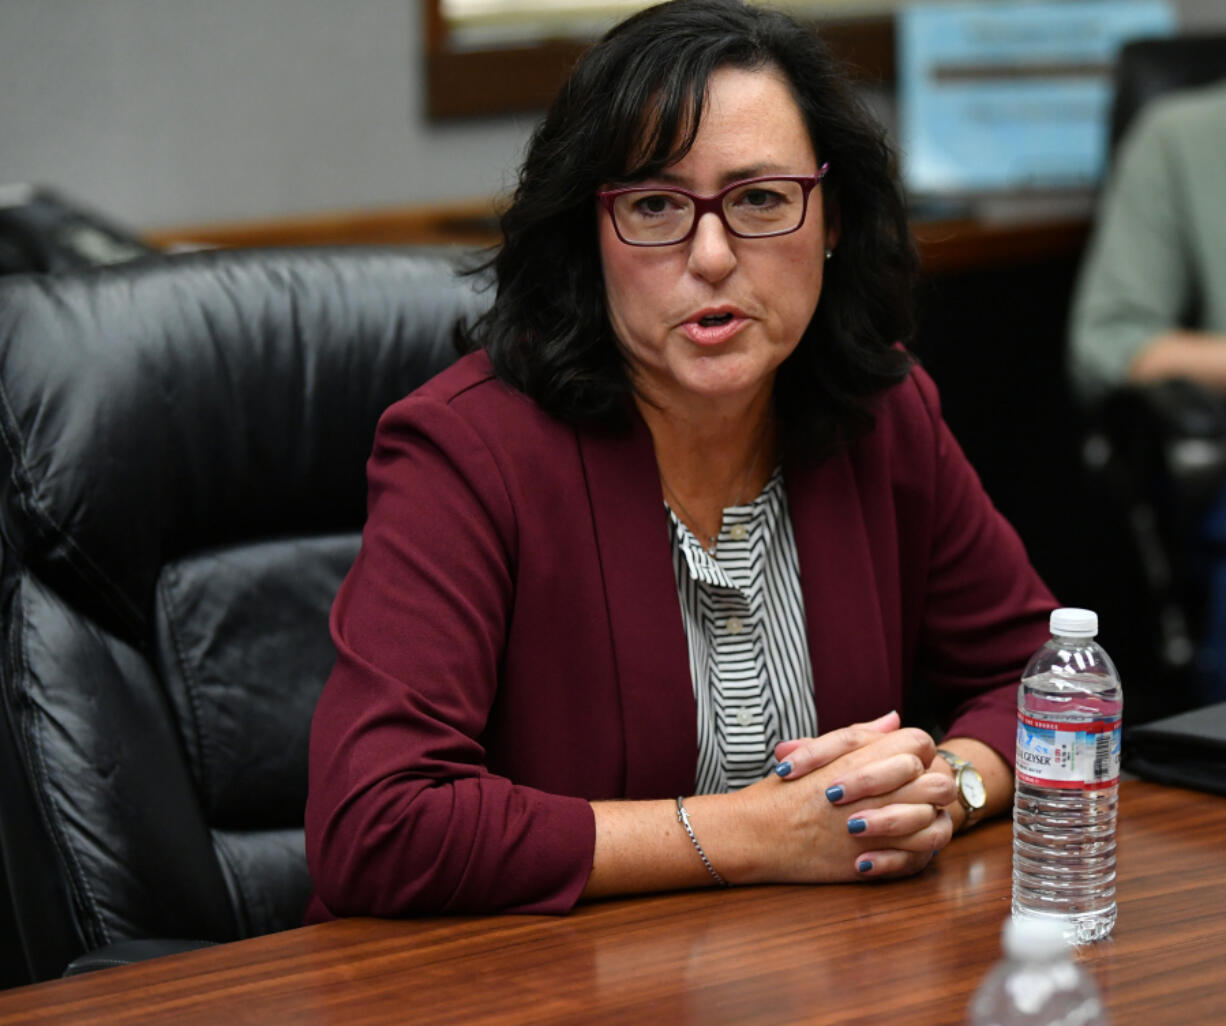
960 766
956 761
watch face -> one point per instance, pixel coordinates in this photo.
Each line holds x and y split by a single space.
972 788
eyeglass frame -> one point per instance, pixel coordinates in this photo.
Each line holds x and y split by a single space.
714 204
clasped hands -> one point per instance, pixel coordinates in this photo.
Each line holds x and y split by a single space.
865 801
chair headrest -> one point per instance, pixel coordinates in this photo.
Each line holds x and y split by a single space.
157 408
1148 68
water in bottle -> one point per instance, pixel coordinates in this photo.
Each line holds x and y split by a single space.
1067 781
1038 983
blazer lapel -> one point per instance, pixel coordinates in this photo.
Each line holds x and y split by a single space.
649 646
847 641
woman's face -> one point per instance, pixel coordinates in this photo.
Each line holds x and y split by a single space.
709 320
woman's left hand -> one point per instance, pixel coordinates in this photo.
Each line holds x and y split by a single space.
895 802
902 831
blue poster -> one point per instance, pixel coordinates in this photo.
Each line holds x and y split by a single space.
1012 95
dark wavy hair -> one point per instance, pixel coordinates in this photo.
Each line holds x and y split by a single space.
632 107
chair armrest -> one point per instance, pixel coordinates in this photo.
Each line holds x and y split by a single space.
1172 433
130 951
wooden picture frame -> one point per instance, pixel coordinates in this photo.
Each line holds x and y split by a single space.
487 82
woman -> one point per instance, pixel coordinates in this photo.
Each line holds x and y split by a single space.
688 506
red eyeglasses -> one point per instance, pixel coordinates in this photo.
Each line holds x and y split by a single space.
757 208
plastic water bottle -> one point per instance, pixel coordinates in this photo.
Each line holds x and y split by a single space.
1037 983
1067 781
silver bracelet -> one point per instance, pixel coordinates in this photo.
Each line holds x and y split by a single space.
683 818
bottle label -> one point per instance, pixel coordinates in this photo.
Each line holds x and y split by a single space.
1084 756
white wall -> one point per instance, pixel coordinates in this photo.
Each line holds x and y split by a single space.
169 111
162 112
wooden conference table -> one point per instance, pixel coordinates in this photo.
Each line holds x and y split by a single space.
907 952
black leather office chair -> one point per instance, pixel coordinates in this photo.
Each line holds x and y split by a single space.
1158 452
181 490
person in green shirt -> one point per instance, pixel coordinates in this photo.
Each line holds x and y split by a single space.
1151 298
1150 303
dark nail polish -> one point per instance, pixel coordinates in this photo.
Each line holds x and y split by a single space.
784 768
865 865
856 826
834 792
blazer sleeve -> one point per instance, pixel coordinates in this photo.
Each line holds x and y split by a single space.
402 814
985 610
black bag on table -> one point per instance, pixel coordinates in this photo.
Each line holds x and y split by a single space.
1186 750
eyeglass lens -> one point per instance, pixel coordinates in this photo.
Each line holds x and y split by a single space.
661 216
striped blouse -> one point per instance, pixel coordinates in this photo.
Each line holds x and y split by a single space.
745 627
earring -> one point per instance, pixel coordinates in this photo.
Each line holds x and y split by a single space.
829 253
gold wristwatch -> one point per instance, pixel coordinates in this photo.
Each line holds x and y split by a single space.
972 795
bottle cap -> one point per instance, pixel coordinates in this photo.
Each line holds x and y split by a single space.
1074 623
1031 939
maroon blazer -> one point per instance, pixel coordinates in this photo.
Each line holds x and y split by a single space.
510 642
